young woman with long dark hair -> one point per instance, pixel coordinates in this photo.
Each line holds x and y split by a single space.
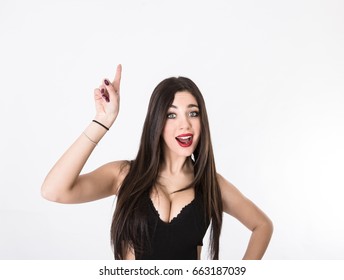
170 193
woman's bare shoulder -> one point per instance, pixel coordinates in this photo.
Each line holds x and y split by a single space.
119 169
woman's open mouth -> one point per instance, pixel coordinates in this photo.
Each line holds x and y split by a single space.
185 140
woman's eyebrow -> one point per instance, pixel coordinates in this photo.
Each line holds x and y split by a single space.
189 106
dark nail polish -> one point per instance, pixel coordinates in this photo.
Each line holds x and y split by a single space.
107 99
106 82
102 90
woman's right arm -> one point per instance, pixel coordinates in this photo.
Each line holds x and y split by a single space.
64 183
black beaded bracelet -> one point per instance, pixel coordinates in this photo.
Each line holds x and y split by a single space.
101 124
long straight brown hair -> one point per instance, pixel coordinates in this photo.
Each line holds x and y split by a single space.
129 229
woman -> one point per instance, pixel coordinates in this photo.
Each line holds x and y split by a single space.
170 193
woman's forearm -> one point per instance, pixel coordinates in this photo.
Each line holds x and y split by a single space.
64 173
259 241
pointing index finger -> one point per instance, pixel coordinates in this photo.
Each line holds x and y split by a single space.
117 80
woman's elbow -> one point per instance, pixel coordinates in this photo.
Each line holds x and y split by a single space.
48 192
268 227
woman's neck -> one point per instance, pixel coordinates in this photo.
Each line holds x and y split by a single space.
176 166
175 175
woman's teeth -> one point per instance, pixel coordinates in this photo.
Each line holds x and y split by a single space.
184 139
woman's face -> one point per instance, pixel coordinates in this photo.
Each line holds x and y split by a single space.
183 125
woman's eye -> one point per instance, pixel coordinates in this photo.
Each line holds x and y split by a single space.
194 114
171 116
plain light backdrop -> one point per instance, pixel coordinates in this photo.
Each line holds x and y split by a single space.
272 75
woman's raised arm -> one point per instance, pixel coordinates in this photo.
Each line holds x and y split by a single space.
64 183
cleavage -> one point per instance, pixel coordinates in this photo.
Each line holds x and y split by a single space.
169 206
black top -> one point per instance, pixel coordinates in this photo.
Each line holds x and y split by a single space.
178 239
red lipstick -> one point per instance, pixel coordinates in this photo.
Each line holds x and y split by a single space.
185 140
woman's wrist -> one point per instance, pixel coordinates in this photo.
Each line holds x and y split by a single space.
105 121
102 125
95 130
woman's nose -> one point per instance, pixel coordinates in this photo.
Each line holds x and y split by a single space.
184 123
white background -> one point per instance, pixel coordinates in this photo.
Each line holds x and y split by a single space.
271 73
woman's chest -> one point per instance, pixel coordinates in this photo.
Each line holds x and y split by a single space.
170 205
